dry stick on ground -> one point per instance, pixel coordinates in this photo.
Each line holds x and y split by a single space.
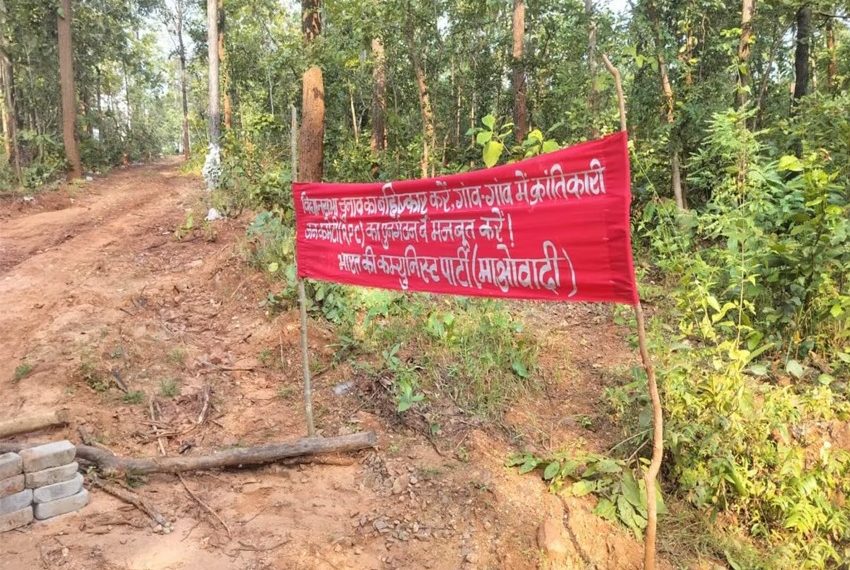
132 498
202 504
205 406
270 453
205 506
31 423
657 413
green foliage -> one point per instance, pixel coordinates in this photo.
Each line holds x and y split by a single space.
621 496
133 397
22 370
757 282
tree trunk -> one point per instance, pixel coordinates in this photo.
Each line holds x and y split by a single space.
428 133
744 77
224 70
801 51
592 97
181 53
669 106
7 85
69 97
520 105
212 54
379 96
312 132
832 64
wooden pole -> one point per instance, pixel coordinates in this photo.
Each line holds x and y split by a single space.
302 297
657 414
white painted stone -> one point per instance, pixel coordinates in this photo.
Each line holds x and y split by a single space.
61 506
48 455
58 490
50 476
10 465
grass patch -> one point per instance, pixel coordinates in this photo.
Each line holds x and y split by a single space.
133 397
89 373
22 370
169 388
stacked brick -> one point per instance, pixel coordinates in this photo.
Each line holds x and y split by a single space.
40 482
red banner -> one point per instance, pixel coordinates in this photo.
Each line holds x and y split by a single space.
554 227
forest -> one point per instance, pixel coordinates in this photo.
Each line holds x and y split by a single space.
738 117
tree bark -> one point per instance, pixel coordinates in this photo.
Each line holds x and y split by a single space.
592 96
108 463
27 424
428 132
379 96
181 53
744 76
801 52
69 96
7 86
224 70
832 53
311 135
520 104
669 106
212 53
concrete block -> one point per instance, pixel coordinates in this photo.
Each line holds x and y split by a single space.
11 485
15 519
15 502
58 490
48 455
10 465
61 506
51 476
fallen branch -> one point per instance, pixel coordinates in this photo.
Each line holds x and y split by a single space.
132 498
109 463
204 506
36 422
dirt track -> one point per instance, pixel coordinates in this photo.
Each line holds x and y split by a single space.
100 289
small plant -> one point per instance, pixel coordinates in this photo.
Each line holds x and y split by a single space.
169 388
622 497
22 371
177 356
133 397
186 227
89 373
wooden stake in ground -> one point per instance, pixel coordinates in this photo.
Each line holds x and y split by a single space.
657 414
302 300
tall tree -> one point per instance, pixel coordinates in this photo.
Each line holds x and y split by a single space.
592 95
744 44
669 105
379 96
429 137
224 70
832 54
801 51
69 94
180 16
312 132
518 63
212 54
7 105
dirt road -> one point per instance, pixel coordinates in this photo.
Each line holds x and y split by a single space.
95 291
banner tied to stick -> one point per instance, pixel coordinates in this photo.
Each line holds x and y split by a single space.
554 227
